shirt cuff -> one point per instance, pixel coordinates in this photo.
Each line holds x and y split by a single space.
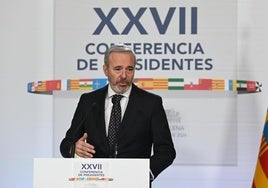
76 156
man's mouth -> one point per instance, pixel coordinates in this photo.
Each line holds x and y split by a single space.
123 84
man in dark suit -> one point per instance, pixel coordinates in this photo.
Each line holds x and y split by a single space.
143 131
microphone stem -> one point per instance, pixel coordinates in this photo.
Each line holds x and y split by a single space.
115 150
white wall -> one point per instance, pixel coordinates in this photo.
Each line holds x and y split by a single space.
26 54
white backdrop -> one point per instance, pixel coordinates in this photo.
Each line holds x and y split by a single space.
26 119
207 51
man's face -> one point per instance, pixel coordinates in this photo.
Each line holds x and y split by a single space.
120 71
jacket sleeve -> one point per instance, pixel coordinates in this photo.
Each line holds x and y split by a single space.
67 146
163 148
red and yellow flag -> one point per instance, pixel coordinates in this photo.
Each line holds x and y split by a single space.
260 179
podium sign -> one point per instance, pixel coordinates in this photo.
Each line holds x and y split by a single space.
91 173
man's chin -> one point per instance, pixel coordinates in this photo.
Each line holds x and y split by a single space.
121 89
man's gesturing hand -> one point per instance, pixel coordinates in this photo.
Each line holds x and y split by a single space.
84 149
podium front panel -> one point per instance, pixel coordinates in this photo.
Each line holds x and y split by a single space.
91 173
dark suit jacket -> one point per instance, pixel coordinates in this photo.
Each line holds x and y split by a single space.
143 126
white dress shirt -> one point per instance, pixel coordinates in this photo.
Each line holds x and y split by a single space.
109 104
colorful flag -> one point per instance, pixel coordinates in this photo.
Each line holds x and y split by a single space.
175 84
64 86
218 84
160 83
30 87
260 179
85 84
40 86
53 85
241 85
191 84
73 84
99 83
144 83
251 86
231 85
258 86
203 84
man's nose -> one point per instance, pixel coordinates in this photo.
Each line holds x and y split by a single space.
123 74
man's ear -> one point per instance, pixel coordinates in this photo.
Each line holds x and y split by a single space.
105 69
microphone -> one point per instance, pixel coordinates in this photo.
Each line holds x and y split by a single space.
115 150
114 147
116 142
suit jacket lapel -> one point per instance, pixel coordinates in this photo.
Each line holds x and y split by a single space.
100 116
130 107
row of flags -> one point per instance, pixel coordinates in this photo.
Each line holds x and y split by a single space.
90 179
88 84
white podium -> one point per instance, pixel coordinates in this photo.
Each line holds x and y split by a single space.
91 173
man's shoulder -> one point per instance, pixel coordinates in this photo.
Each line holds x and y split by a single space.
97 92
144 93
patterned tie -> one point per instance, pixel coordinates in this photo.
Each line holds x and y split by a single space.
115 120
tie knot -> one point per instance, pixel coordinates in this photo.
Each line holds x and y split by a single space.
116 98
